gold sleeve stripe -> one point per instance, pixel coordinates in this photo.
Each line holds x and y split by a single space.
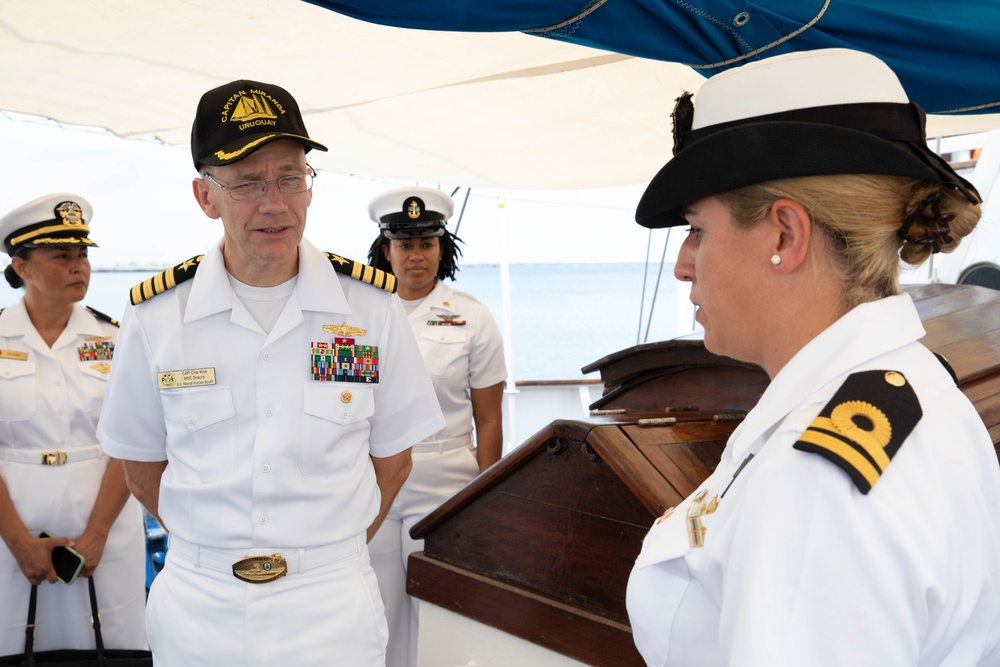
356 269
369 274
171 283
876 453
135 294
843 451
158 285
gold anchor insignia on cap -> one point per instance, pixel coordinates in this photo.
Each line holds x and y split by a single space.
260 569
344 330
413 209
71 213
346 397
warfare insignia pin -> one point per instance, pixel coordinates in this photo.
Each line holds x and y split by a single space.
344 330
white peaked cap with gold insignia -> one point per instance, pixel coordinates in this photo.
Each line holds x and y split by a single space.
411 212
53 220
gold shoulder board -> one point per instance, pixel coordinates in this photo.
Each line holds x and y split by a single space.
101 316
161 282
864 425
363 272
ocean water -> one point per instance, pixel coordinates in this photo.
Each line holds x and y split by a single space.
562 316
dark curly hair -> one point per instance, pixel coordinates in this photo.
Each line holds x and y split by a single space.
450 252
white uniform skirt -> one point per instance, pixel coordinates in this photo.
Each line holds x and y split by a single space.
58 499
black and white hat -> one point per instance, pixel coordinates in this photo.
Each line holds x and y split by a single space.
52 220
810 113
411 212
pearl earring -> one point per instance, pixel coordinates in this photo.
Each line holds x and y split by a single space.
775 259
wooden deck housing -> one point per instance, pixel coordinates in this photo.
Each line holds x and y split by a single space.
541 545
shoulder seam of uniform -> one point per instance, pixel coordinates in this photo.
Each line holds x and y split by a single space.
363 272
164 280
103 316
864 424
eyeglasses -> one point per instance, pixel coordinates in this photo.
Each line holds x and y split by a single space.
287 185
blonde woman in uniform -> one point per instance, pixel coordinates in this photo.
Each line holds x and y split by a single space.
854 517
55 356
461 346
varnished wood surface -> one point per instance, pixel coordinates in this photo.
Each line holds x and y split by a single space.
566 629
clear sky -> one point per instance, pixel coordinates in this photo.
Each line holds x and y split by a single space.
144 212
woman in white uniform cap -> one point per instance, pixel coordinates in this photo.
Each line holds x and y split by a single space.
55 356
461 346
854 518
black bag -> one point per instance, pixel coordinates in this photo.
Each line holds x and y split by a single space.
97 657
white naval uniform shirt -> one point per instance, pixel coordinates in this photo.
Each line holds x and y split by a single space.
266 456
458 357
50 400
798 567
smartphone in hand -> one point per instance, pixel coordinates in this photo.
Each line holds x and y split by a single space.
66 561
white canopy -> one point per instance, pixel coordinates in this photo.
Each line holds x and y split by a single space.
484 109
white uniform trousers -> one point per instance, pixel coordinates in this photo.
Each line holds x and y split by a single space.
439 470
326 612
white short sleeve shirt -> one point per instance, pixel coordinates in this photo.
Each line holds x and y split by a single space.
262 452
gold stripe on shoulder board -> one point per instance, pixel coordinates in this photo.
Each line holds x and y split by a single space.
363 272
863 426
164 280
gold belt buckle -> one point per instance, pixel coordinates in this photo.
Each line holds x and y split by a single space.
56 458
260 569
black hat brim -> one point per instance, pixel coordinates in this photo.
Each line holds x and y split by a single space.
749 153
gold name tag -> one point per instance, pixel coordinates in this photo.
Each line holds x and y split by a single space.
13 354
195 377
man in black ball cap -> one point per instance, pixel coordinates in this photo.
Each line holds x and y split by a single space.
264 400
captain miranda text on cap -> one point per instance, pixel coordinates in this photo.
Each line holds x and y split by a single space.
236 119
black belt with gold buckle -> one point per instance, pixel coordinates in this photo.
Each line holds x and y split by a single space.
260 569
